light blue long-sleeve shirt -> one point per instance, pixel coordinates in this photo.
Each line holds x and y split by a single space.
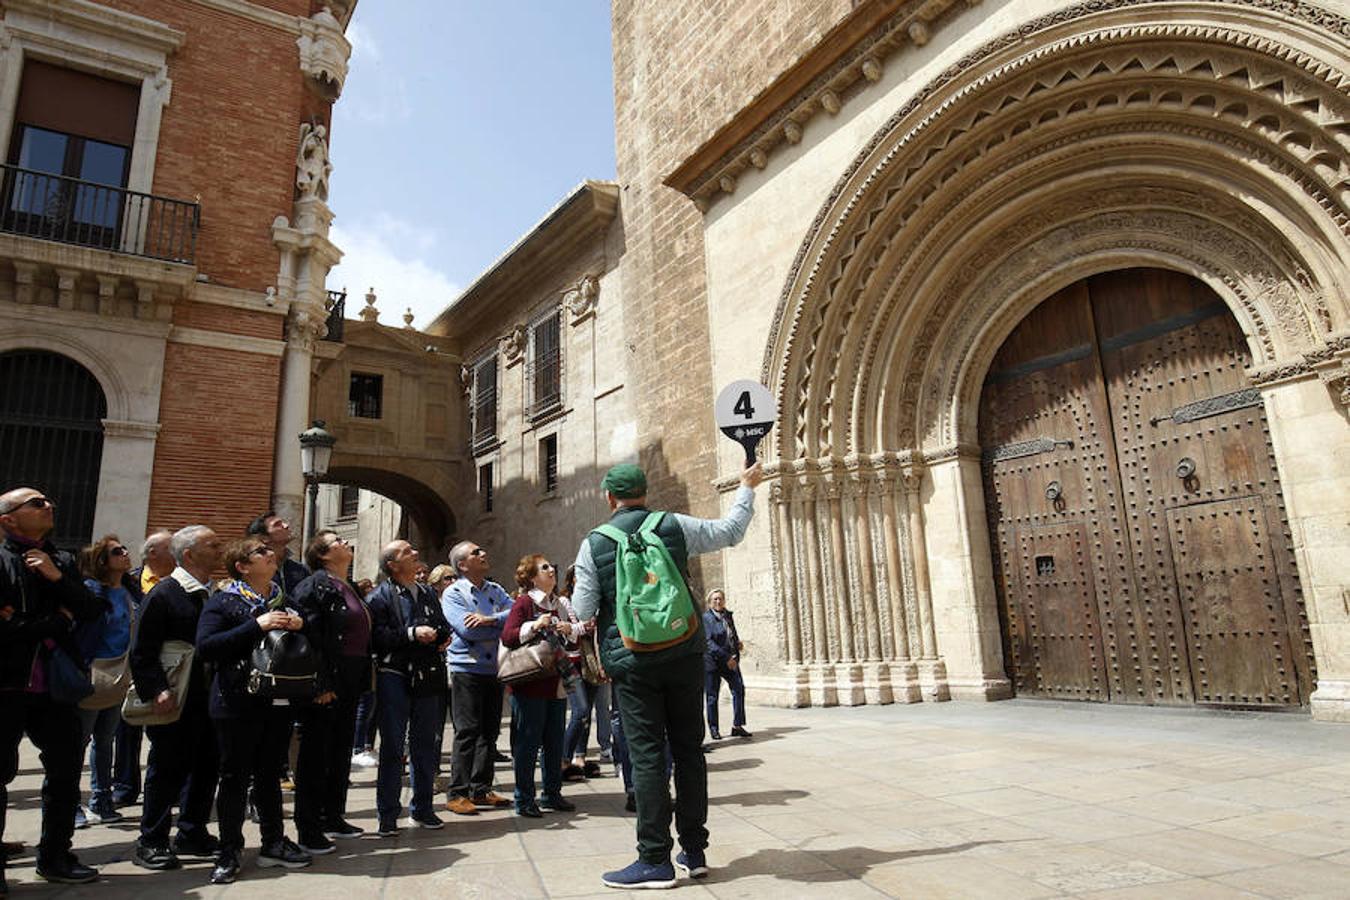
700 536
474 650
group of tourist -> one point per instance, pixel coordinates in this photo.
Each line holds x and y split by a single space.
276 671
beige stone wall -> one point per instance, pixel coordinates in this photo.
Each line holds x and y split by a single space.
931 371
680 72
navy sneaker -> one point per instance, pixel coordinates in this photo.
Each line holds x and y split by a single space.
693 863
640 875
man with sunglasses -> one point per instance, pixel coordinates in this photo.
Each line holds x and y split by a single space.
476 609
42 599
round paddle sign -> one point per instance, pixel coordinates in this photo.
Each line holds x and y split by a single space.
745 412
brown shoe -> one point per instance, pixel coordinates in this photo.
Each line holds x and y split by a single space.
491 800
461 806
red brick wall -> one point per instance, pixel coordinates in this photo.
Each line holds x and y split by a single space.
228 319
213 459
231 130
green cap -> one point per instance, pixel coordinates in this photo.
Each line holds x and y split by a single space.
625 481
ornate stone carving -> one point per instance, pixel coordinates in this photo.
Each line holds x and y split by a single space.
368 312
581 299
324 52
312 167
514 344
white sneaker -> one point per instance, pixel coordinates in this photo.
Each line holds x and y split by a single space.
364 759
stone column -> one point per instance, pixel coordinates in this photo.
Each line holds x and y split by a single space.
903 671
123 502
875 673
823 689
1307 418
932 672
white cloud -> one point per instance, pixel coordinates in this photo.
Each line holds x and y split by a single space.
364 45
388 256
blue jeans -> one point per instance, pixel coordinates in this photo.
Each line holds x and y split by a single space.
411 722
101 726
600 699
364 738
539 724
713 688
579 701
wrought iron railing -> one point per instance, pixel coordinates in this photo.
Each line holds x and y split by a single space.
337 306
72 211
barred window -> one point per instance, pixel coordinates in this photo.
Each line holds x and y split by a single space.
548 463
485 402
545 365
349 500
485 486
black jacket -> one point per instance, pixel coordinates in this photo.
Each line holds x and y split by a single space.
289 574
168 613
226 635
132 582
36 603
394 612
319 600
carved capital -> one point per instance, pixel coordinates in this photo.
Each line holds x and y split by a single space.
912 478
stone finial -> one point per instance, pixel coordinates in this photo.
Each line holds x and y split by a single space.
408 318
312 167
369 313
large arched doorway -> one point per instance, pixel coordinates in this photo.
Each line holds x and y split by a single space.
51 435
1136 520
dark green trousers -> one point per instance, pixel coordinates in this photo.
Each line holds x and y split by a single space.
659 701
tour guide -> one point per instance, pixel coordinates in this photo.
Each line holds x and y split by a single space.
660 691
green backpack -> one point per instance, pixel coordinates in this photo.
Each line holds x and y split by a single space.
652 606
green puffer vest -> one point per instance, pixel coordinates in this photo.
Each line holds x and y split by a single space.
616 658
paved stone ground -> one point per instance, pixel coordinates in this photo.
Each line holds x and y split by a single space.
1010 800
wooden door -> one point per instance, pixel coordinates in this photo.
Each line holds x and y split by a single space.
1141 548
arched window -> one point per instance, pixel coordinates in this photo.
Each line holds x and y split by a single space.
51 435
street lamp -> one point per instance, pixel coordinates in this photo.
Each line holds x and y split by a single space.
316 450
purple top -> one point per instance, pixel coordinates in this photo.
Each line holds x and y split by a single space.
356 632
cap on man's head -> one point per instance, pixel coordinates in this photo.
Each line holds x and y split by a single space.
625 481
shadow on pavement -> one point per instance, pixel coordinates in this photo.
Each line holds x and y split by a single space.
846 864
759 798
736 765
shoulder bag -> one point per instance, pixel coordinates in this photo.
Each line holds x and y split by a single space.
176 658
528 662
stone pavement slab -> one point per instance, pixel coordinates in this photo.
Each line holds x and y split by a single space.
1011 800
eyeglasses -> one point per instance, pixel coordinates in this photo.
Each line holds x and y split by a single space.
338 542
547 567
117 551
478 551
261 551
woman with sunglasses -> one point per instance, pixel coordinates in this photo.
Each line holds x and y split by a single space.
252 732
338 625
104 563
539 707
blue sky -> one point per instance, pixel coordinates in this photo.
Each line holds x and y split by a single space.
461 124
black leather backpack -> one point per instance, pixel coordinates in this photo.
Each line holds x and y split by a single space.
284 667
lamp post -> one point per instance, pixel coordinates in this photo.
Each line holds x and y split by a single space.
316 450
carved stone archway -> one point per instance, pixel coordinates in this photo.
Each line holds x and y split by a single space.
1213 141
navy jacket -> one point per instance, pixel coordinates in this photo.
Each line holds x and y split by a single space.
289 574
724 644
35 603
394 612
168 613
226 635
319 600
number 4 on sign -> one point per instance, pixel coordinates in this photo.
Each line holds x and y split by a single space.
745 412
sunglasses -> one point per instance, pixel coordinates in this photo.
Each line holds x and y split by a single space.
547 567
118 551
338 542
478 552
34 503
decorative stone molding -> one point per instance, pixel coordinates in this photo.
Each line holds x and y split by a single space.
144 431
580 300
514 344
893 218
324 52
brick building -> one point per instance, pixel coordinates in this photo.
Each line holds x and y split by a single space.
163 249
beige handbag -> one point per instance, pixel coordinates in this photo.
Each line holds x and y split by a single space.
528 662
176 658
111 678
591 670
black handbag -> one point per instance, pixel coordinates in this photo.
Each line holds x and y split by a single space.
284 667
68 680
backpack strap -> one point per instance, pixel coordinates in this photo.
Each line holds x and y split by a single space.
609 531
650 524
